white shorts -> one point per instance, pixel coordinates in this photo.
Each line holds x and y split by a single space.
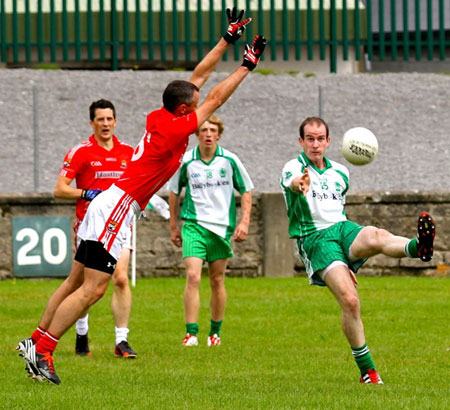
109 219
76 226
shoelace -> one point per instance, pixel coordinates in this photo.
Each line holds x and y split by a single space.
214 339
187 337
372 377
48 358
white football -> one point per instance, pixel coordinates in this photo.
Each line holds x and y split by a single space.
359 146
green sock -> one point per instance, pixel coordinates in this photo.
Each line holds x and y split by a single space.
411 248
192 328
215 327
363 358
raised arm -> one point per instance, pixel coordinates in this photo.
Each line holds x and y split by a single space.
222 91
235 29
208 64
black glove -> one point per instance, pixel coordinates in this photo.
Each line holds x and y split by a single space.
236 27
253 53
89 194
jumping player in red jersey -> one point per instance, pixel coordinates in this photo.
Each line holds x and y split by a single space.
95 165
106 226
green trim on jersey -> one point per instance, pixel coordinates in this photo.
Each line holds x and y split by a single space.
345 178
305 160
240 186
197 156
188 207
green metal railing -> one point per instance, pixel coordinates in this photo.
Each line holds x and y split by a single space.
182 31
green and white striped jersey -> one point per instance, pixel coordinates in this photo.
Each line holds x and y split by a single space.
209 198
324 203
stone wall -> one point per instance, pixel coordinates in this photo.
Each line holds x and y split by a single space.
268 250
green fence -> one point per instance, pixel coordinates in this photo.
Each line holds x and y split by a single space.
114 34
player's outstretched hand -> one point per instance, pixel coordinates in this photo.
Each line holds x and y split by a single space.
305 181
90 194
236 27
253 53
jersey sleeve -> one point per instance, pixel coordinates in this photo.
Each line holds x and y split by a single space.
72 164
291 170
241 179
178 180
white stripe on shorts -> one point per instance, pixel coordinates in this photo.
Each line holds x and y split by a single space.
332 265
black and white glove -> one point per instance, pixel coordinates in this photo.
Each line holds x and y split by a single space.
89 194
236 27
253 53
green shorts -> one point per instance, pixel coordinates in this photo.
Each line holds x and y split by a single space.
320 249
204 244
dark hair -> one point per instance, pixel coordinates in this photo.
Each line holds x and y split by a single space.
178 92
311 120
101 104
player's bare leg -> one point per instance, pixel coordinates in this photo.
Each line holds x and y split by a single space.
218 299
70 284
191 295
93 288
341 285
218 291
372 241
191 299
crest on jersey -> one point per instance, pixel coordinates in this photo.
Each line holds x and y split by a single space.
223 172
123 164
112 225
67 162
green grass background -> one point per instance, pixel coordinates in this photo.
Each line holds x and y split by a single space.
282 348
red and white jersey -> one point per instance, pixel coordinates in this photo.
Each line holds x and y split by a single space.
158 155
94 167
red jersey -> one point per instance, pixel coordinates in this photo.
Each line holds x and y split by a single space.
158 155
94 167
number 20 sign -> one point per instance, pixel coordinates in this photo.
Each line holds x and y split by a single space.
41 246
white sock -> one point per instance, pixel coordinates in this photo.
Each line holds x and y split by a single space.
407 249
82 325
121 334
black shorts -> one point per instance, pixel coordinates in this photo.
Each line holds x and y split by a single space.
93 255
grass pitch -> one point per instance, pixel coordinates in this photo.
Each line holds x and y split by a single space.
282 348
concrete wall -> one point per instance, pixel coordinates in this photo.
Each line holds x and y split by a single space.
268 251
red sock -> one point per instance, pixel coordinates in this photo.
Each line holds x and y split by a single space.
47 343
37 334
